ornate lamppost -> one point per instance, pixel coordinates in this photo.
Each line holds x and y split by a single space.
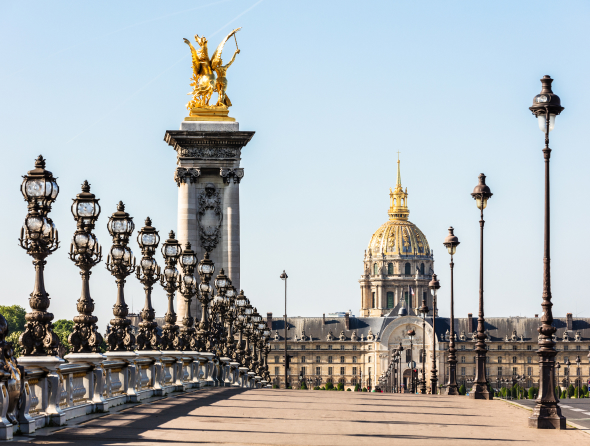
221 302
205 269
400 349
567 364
231 317
170 281
424 311
547 413
120 263
451 242
39 238
86 253
481 194
188 289
434 286
411 333
558 366
148 274
578 360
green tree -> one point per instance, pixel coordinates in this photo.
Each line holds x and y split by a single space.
329 386
303 385
63 328
576 393
13 338
356 387
15 317
340 386
348 390
584 389
531 393
364 389
570 390
462 389
563 395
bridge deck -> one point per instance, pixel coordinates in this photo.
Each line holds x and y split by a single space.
296 417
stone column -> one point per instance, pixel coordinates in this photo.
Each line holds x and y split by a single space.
186 179
231 205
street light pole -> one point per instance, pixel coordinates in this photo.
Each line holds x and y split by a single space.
547 413
451 242
285 277
434 286
424 310
481 194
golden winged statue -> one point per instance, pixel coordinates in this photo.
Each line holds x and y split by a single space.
204 81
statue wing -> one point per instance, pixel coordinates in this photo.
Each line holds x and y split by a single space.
216 58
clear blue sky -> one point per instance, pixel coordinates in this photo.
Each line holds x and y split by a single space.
333 91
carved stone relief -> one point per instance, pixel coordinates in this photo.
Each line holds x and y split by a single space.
186 175
208 152
209 217
228 174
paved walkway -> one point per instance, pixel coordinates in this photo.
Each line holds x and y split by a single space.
297 417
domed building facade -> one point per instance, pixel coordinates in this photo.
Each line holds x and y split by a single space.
398 263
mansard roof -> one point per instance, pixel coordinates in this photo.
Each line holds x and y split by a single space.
498 328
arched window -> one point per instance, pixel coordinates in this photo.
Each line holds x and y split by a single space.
390 298
375 269
408 271
390 269
422 269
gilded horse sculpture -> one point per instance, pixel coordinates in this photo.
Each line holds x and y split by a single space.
204 82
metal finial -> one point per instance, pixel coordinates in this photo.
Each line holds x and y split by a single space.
121 206
85 186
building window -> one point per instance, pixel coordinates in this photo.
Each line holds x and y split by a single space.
463 359
354 359
499 371
390 269
276 371
514 347
514 370
342 370
577 347
422 269
565 359
341 359
529 371
317 359
566 347
354 347
370 347
375 269
514 359
373 306
408 355
329 347
408 271
303 359
578 371
463 347
499 359
318 370
303 347
303 371
317 347
462 371
354 370
529 347
474 359
390 298
276 359
499 347
342 347
529 359
329 360
329 370
370 359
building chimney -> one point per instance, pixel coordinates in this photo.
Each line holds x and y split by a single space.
470 322
269 320
569 320
324 319
347 321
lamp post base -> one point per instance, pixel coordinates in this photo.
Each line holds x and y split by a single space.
547 417
480 392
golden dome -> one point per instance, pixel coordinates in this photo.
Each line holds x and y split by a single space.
399 236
